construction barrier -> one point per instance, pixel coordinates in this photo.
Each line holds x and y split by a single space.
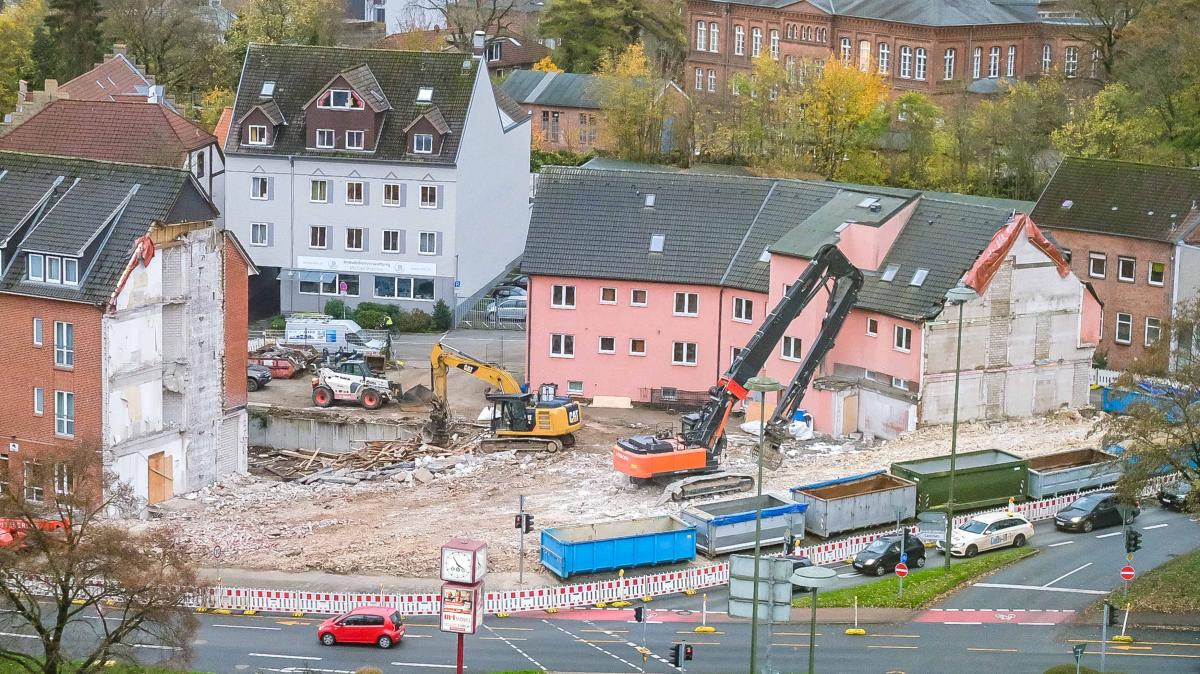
581 594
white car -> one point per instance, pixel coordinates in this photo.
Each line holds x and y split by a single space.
987 532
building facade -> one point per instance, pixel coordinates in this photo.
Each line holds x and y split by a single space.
374 175
125 313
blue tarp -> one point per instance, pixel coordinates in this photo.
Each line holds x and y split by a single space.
767 512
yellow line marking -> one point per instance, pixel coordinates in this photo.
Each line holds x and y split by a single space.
1159 655
995 650
1132 648
1144 643
691 632
883 646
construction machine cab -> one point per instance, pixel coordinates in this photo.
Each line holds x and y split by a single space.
515 411
356 368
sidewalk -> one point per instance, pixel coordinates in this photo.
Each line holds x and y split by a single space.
312 581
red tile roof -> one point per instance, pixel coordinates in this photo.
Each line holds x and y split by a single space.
108 81
222 129
137 133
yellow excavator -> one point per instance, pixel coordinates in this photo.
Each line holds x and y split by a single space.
521 420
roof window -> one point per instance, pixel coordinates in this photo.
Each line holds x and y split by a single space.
919 277
889 272
657 242
765 257
268 89
649 200
869 202
424 95
1066 205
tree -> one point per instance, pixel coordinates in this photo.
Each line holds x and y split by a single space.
546 65
1013 132
843 111
1110 125
920 120
18 29
310 22
56 582
633 104
1165 433
762 109
74 30
1163 70
1104 23
212 104
589 29
464 17
167 37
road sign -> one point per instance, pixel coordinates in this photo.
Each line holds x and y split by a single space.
1078 649
1127 573
901 569
904 558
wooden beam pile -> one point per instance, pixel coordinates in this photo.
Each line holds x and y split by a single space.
375 459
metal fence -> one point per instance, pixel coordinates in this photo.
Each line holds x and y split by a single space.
1102 377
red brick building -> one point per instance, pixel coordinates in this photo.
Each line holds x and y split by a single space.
932 46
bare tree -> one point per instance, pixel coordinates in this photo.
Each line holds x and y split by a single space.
65 566
1103 25
464 17
169 37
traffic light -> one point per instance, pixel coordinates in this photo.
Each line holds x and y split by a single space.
687 651
518 521
528 523
638 614
1133 541
1112 614
677 655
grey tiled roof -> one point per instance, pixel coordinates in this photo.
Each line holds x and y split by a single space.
921 12
508 106
563 90
820 228
364 82
299 72
78 208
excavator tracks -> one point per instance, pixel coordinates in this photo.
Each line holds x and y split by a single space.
519 444
697 486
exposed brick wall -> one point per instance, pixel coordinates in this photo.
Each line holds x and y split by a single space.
237 324
28 366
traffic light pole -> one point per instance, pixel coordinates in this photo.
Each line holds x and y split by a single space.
521 535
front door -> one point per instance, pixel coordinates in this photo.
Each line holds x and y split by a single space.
158 478
850 414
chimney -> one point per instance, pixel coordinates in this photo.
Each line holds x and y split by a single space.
156 94
50 86
477 43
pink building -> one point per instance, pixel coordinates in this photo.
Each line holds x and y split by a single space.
644 285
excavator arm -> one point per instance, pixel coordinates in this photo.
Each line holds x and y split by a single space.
443 357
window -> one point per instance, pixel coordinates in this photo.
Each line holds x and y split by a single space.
713 32
1097 265
354 238
918 277
257 135
791 348
4 474
994 62
1066 253
807 33
53 269
608 345
325 138
424 95
200 164
699 87
885 57
906 60
340 99
739 40
562 346
948 65
1095 62
1158 272
429 196
903 339
1124 328
683 353
637 347
588 131
687 304
64 413
64 344
922 60
391 194
37 332
260 188
1047 59
743 309
70 271
34 482
822 36
976 56
889 272
354 192
316 236
428 243
637 298
574 387
872 327
1010 67
318 191
1071 66
259 233
494 51
423 142
791 31
845 47
701 36
1126 269
734 352
355 140
899 383
404 287
391 241
64 482
39 401
37 269
268 89
562 297
775 45
712 80
1153 330
755 42
608 296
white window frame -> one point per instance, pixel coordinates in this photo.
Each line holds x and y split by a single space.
38 325
559 344
265 193
1121 261
993 62
685 361
686 297
423 237
1157 330
791 348
64 419
361 193
392 187
847 50
739 41
948 64
1010 65
349 101
318 187
64 345
614 295
70 271
713 32
633 294
422 143
266 233
1093 258
712 81
902 335
256 129
600 345
574 387
361 237
976 62
1071 62
323 232
1150 274
743 309
39 401
429 189
922 62
699 79
701 35
641 353
330 134
53 269
885 57
899 383
872 322
64 482
562 296
33 492
1128 322
755 42
41 261
1047 59
906 60
358 134
774 36
396 235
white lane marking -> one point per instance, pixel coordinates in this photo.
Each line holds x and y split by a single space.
285 657
431 665
514 647
1006 586
1055 545
156 647
634 646
1154 526
1040 624
297 670
961 623
1067 574
850 574
250 627
581 640
1115 533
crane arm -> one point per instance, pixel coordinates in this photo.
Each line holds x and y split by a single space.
444 356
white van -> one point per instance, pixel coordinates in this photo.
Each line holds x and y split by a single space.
329 334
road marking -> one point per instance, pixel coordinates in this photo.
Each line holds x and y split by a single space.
608 631
1041 624
961 623
1055 545
1144 643
995 650
251 627
432 666
1132 648
602 641
418 636
1007 586
513 629
892 647
506 639
1067 574
849 574
644 652
610 654
896 636
689 632
1115 533
1154 526
160 648
512 646
285 657
805 645
1158 655
19 636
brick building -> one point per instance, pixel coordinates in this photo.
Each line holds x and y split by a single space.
933 46
124 323
1130 230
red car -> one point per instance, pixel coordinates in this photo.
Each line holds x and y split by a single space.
378 625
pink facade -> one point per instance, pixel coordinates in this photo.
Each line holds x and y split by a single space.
867 245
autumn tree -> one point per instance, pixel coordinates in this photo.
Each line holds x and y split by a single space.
1103 26
170 38
633 103
546 65
73 28
587 30
1013 130
763 107
55 581
1110 125
463 17
843 112
212 104
19 24
919 120
1163 71
310 22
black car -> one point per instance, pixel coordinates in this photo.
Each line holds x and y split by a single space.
1175 496
257 376
883 554
799 562
1100 509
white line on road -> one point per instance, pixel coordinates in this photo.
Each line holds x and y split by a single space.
285 657
1154 526
850 574
948 622
608 653
514 647
1006 586
250 627
1115 533
1055 545
19 636
158 647
432 666
1067 574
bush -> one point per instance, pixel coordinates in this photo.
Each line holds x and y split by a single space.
336 308
442 318
278 322
413 321
540 158
370 318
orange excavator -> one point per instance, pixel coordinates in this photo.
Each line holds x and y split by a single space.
688 463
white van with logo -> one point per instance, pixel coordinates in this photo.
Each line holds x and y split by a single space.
326 333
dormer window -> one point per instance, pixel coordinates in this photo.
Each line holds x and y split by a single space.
257 135
424 95
53 269
494 51
340 99
325 138
354 140
423 143
36 267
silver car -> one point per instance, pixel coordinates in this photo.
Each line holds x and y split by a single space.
508 309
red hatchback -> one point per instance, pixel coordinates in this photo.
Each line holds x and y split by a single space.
378 625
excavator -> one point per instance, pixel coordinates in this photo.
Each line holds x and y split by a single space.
688 463
520 421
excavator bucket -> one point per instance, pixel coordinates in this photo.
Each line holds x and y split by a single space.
417 395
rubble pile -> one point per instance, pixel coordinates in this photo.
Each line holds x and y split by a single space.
376 459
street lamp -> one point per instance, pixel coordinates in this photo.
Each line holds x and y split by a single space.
958 295
813 578
761 385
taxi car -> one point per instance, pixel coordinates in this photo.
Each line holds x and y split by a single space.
988 531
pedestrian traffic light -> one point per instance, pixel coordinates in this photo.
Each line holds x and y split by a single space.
638 614
677 655
518 521
528 523
1133 541
687 651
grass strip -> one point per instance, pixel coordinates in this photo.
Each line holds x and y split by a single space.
1170 588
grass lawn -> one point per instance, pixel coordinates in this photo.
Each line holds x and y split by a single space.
1170 588
922 586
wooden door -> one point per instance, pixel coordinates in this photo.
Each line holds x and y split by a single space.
159 478
850 414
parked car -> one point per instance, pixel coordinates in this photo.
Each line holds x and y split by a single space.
799 562
1174 496
377 625
502 291
1099 509
510 309
257 376
988 531
883 554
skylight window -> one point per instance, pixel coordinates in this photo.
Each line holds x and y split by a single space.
868 202
657 242
1066 205
424 95
649 200
889 272
268 89
918 277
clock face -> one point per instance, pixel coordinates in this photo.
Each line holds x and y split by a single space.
480 563
456 565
